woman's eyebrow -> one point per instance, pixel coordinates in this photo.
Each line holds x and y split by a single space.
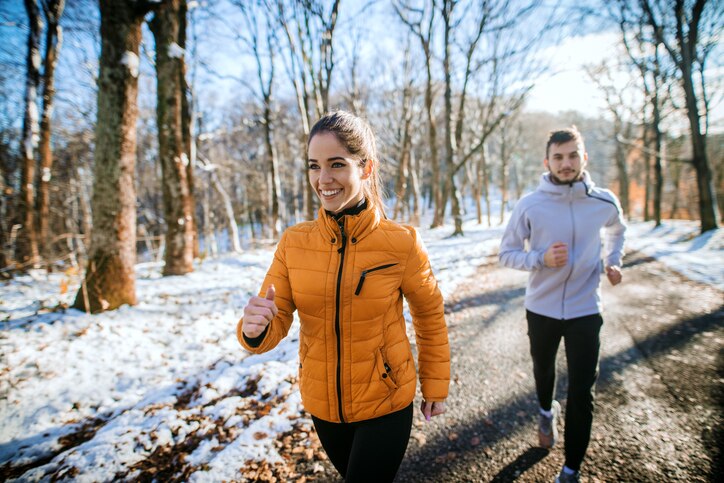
333 158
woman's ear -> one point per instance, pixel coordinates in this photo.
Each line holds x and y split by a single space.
367 169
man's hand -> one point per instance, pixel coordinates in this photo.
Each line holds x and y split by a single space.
556 256
258 313
614 275
430 409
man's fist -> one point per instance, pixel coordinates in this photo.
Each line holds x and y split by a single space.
258 313
614 274
556 256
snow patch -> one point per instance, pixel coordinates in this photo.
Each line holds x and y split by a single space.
175 51
131 61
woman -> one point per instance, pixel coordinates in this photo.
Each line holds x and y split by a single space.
346 273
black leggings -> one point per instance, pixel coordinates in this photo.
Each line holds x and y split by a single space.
370 450
581 338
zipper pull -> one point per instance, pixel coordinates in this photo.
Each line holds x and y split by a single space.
361 281
343 234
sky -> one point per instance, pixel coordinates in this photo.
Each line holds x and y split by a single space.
568 88
170 370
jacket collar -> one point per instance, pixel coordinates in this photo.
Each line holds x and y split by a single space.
577 189
356 226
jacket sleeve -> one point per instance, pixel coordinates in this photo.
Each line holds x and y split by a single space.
279 326
614 236
420 288
512 246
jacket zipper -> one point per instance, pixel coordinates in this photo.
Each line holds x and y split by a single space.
365 272
570 251
337 328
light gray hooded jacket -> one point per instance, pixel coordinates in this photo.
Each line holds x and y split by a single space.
574 214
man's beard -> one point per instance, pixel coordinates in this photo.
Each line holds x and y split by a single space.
556 180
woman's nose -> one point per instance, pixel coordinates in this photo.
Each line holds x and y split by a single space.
325 176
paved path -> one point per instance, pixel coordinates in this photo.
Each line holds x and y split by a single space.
660 391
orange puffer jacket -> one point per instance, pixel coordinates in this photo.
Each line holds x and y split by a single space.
355 360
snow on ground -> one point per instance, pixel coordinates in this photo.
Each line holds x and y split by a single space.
94 397
679 245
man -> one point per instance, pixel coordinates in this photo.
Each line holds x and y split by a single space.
555 233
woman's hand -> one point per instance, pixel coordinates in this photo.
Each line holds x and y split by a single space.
430 409
258 313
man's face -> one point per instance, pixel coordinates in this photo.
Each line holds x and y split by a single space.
566 162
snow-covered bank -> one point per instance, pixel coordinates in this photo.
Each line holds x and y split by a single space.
679 245
94 396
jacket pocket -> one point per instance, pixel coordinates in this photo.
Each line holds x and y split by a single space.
385 371
366 272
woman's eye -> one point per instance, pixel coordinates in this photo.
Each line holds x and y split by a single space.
338 165
312 166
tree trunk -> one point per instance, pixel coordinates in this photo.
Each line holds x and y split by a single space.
647 173
436 193
168 27
3 219
675 181
503 180
404 156
210 246
26 252
622 168
478 190
448 165
110 279
53 40
275 185
414 190
229 210
707 204
486 183
188 115
658 146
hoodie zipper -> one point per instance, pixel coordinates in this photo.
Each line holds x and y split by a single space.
570 251
365 272
337 328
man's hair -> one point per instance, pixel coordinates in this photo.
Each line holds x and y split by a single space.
563 136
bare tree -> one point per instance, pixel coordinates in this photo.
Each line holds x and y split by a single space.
421 22
678 30
619 105
169 29
508 62
52 9
309 31
404 139
643 50
510 132
110 279
26 251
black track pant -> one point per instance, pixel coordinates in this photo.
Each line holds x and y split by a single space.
367 451
582 342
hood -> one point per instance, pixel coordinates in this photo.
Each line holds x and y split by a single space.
579 188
